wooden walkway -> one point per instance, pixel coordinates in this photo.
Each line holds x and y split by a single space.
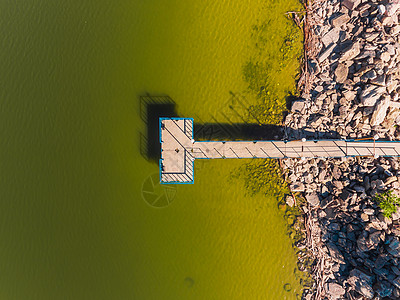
179 150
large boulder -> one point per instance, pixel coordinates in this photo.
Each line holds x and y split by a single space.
371 94
361 283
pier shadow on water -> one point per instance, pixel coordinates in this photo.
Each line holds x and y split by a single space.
154 107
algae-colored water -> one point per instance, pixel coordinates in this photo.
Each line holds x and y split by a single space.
74 220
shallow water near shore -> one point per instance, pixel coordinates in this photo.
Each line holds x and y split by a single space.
75 189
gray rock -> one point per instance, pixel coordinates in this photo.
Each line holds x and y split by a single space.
395 270
369 37
314 67
335 253
297 187
396 293
336 172
369 211
370 75
374 239
390 179
379 80
381 9
396 216
325 53
371 94
381 261
367 183
394 248
350 95
298 106
334 290
364 217
396 282
384 288
362 283
362 244
341 73
392 7
290 200
395 30
380 110
340 19
350 52
313 199
331 37
346 195
385 56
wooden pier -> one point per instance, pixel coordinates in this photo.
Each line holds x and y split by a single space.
179 149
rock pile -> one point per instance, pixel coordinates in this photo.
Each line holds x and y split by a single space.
354 95
356 73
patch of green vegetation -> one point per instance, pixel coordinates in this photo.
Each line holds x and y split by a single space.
263 176
388 202
272 72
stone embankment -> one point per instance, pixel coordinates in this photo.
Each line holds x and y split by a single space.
354 70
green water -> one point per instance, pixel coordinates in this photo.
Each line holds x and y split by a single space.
74 224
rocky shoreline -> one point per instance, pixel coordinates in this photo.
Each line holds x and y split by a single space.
349 89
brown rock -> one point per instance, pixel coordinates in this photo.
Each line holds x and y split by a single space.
341 73
351 4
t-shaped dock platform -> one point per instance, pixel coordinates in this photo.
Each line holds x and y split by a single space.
179 149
